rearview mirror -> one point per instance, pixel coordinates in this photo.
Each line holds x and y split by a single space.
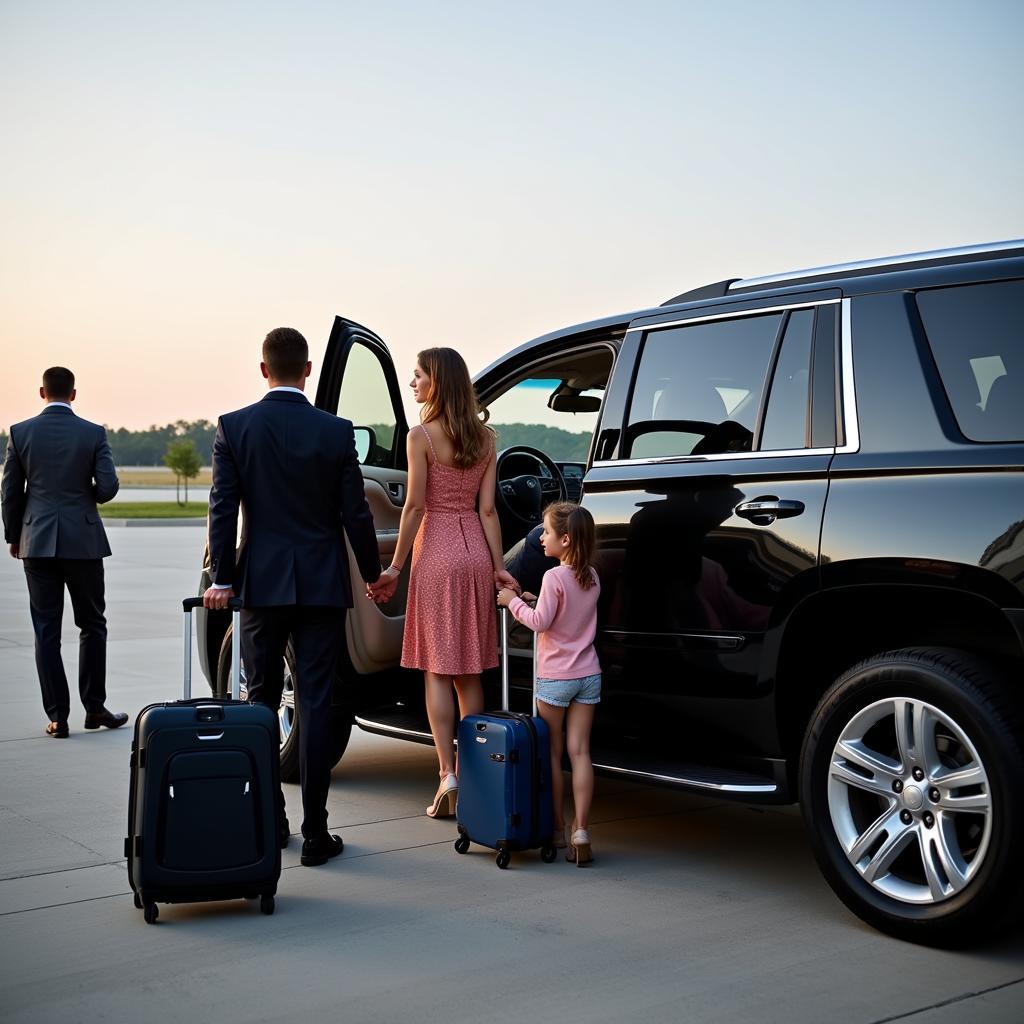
574 403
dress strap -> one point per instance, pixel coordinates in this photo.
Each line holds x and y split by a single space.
430 442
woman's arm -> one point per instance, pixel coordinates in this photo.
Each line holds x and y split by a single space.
415 497
491 525
412 516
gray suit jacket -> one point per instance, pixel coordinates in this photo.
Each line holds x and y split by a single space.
58 467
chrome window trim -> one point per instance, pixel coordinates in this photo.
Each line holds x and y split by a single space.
736 314
721 787
888 261
850 426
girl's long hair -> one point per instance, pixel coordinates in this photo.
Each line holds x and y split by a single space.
567 518
452 402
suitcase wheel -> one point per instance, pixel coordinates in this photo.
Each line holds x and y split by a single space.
548 854
503 859
266 905
150 913
462 844
137 899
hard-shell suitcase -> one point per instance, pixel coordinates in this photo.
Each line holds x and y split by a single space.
202 804
505 776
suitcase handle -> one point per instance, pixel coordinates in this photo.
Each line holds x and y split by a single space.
235 604
505 688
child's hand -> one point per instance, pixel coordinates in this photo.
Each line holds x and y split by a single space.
528 597
505 597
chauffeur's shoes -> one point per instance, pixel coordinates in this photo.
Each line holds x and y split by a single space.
110 719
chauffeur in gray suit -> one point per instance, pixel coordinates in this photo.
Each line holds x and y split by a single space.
57 468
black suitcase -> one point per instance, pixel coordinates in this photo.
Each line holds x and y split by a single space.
505 776
202 804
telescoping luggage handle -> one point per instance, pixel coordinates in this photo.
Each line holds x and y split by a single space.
505 692
235 604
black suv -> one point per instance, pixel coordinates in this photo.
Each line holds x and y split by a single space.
809 500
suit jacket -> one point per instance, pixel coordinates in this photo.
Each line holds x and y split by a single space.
58 467
293 470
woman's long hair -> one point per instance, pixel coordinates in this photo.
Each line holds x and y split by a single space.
452 402
574 521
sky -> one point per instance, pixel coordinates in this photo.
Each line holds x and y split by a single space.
177 180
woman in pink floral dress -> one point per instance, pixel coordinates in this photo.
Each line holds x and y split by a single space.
450 526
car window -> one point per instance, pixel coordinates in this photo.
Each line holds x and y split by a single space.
976 333
698 388
366 400
523 415
785 420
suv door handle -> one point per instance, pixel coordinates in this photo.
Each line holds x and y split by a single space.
397 491
764 511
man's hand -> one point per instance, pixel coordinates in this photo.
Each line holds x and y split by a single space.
13 548
383 588
216 598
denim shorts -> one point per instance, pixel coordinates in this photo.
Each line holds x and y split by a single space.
562 692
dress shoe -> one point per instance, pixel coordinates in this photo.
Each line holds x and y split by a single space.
105 717
320 849
58 730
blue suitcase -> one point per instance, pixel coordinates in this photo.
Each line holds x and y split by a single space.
505 777
202 807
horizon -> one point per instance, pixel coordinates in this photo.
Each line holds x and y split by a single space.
186 179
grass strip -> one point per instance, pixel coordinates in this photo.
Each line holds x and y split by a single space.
153 510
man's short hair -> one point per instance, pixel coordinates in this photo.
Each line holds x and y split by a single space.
286 353
58 383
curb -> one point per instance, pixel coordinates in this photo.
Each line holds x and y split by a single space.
155 522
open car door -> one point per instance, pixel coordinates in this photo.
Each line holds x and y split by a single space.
358 382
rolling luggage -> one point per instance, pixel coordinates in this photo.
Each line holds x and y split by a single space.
202 804
505 776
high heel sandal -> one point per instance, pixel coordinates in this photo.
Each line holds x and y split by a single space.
444 800
579 848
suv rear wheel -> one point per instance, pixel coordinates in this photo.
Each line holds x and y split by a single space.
288 712
909 781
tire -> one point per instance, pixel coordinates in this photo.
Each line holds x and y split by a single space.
137 900
462 845
503 859
267 905
150 913
905 850
288 713
548 854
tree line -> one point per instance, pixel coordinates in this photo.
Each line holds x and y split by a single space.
148 447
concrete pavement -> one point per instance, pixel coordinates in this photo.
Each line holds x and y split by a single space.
696 910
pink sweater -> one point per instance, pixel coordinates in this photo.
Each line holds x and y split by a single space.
565 621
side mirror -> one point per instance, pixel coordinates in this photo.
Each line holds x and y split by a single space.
574 403
366 442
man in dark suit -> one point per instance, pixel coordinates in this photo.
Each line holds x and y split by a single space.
57 468
294 471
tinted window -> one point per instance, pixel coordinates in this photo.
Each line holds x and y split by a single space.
976 333
785 422
698 388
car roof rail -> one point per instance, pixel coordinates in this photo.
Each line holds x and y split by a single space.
717 290
860 267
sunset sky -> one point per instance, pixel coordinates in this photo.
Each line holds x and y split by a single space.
178 179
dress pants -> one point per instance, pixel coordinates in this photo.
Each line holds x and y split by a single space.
317 635
46 578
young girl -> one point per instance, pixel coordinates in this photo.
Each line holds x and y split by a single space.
568 672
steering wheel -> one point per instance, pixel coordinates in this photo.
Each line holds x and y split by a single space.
524 497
